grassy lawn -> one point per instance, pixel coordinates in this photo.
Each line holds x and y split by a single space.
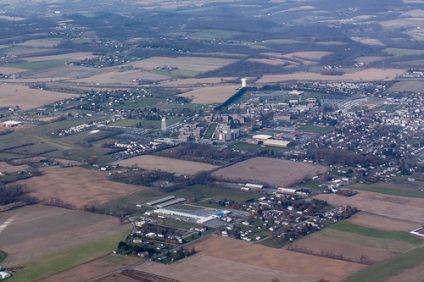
141 103
388 190
377 233
3 255
315 129
41 65
126 123
47 265
382 271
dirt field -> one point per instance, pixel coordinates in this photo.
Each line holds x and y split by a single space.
117 278
167 164
93 268
413 274
201 81
6 70
363 75
369 41
349 251
211 95
185 63
408 209
12 168
276 259
382 222
37 230
27 98
276 172
201 267
77 186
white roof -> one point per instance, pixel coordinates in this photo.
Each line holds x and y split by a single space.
262 136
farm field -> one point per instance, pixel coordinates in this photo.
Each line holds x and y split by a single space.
151 162
276 172
349 251
77 56
199 81
77 186
312 267
395 190
201 267
362 75
402 208
412 274
27 98
183 63
382 222
12 168
410 86
51 229
392 267
210 95
93 268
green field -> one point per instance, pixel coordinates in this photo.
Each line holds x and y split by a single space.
388 190
3 256
315 129
408 86
403 52
209 34
382 271
41 65
47 265
377 233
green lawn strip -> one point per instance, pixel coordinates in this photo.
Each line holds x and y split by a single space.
315 129
3 255
377 233
49 264
388 190
381 271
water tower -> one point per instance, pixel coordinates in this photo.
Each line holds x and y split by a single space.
243 82
163 126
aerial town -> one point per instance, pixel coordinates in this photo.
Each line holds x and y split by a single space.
140 144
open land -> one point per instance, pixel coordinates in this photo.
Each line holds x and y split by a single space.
261 256
151 162
349 251
12 168
202 267
49 229
363 75
408 209
28 98
77 186
68 56
413 274
382 222
93 268
186 63
276 172
210 95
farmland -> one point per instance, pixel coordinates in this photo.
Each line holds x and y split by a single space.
77 186
263 257
27 98
401 208
52 230
361 75
276 172
151 162
210 95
